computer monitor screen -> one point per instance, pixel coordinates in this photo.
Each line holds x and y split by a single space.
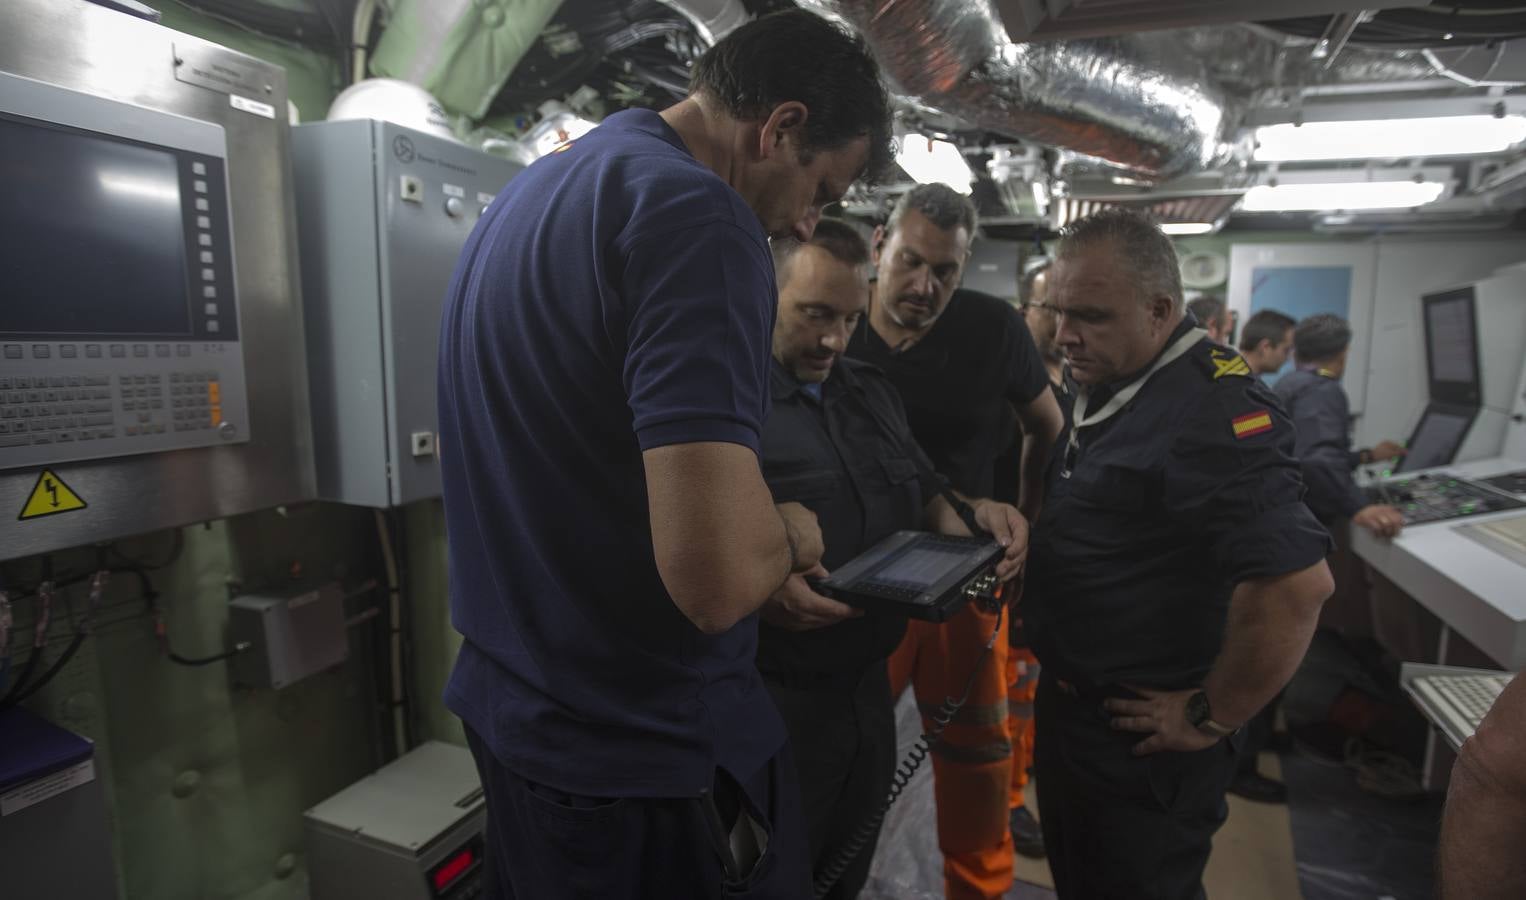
1451 346
94 235
1436 439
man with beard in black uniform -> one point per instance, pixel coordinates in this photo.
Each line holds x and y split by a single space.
1175 576
836 441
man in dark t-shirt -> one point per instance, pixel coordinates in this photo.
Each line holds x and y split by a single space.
603 382
961 381
962 361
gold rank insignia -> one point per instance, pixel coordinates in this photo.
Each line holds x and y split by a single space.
1229 364
1251 423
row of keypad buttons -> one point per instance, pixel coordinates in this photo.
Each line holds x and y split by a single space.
42 410
69 428
95 351
64 396
62 430
23 382
205 242
54 423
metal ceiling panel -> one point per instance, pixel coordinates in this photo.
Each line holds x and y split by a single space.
1197 206
1040 20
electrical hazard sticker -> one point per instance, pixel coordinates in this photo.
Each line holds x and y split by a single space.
49 497
1253 423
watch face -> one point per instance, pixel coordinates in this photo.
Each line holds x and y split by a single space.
1197 708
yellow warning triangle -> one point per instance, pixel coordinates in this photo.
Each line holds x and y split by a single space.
50 496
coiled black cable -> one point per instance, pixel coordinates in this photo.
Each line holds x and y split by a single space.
908 766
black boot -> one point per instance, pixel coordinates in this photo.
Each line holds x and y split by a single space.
1257 787
1027 837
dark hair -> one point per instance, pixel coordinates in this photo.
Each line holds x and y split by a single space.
1036 267
1266 325
1322 337
1137 240
839 238
836 236
797 55
942 205
1207 308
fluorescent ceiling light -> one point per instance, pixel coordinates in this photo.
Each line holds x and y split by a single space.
1389 138
931 161
1181 228
1343 195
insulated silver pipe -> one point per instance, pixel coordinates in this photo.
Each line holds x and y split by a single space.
713 19
1139 102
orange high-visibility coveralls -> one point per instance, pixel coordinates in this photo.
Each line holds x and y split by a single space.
972 761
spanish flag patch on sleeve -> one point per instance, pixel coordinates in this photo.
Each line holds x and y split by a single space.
1252 423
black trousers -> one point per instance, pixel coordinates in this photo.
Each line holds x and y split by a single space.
543 844
1119 826
842 734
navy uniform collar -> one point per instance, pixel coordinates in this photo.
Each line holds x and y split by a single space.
1107 389
783 385
645 121
1187 323
1316 369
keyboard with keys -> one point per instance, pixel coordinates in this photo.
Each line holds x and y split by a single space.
1458 703
91 405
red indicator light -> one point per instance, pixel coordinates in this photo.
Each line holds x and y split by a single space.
453 868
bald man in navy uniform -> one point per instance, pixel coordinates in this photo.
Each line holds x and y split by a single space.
1175 575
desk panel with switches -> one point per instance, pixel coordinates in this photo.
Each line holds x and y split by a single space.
1436 497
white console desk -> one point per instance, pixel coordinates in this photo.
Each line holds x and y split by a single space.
1474 590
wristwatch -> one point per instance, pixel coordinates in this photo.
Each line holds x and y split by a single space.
1200 716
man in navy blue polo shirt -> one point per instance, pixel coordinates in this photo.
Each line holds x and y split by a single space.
603 380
